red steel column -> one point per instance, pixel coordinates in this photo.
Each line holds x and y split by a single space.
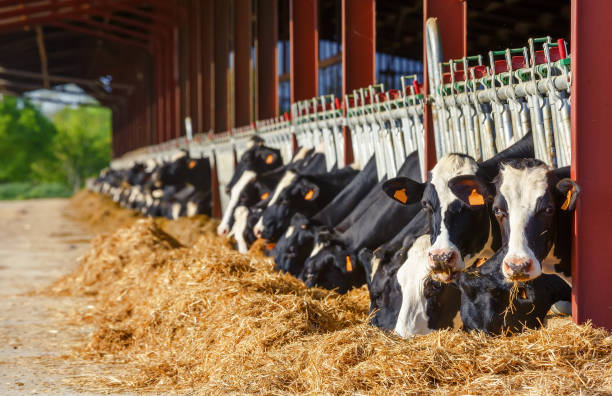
590 113
359 52
175 83
267 59
304 47
221 42
242 61
197 55
452 22
208 80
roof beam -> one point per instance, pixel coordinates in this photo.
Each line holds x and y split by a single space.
64 80
42 52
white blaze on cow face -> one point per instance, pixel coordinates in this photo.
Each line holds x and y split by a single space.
289 231
192 209
301 154
448 167
521 189
412 318
175 211
241 215
318 247
284 182
246 178
177 156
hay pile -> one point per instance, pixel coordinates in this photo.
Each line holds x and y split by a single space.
98 212
203 317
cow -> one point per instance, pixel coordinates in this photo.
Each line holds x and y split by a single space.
533 205
334 262
255 160
295 245
300 192
488 305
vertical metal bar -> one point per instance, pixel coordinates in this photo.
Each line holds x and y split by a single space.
452 19
359 53
242 62
221 43
304 48
590 115
177 124
267 59
214 184
199 82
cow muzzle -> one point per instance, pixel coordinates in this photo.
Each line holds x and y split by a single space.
517 268
222 230
443 264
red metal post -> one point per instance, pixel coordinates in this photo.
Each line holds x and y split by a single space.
267 59
590 114
242 62
197 55
221 42
304 47
359 55
175 83
208 121
452 22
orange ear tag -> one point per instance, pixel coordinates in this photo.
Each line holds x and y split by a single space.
192 164
401 196
270 159
523 294
349 264
475 199
264 196
568 199
270 246
309 195
481 261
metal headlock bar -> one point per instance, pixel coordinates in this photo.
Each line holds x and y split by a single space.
478 110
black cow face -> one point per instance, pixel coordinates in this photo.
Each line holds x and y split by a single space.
294 247
461 233
256 160
323 269
529 203
293 194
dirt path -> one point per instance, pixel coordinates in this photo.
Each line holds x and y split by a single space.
37 246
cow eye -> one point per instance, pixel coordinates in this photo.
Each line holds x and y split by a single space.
427 206
499 212
549 210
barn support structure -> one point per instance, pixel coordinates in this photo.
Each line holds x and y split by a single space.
167 66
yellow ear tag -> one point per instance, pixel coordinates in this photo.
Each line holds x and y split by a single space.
264 196
568 199
192 164
270 159
349 264
475 199
309 195
401 196
481 261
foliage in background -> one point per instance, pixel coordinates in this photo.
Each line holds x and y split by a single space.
41 158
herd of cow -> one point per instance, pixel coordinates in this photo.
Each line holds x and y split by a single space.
489 242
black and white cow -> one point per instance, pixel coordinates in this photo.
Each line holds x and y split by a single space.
486 294
533 206
295 245
368 226
300 192
257 159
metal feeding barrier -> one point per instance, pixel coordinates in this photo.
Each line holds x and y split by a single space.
387 125
482 109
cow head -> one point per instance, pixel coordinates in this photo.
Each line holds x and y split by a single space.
257 159
293 194
333 267
529 203
295 245
461 233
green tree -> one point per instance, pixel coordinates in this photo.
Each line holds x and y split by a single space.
82 144
26 140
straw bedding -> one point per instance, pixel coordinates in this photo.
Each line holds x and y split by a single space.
202 318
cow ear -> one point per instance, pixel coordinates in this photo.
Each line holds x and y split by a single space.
569 191
471 190
404 190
